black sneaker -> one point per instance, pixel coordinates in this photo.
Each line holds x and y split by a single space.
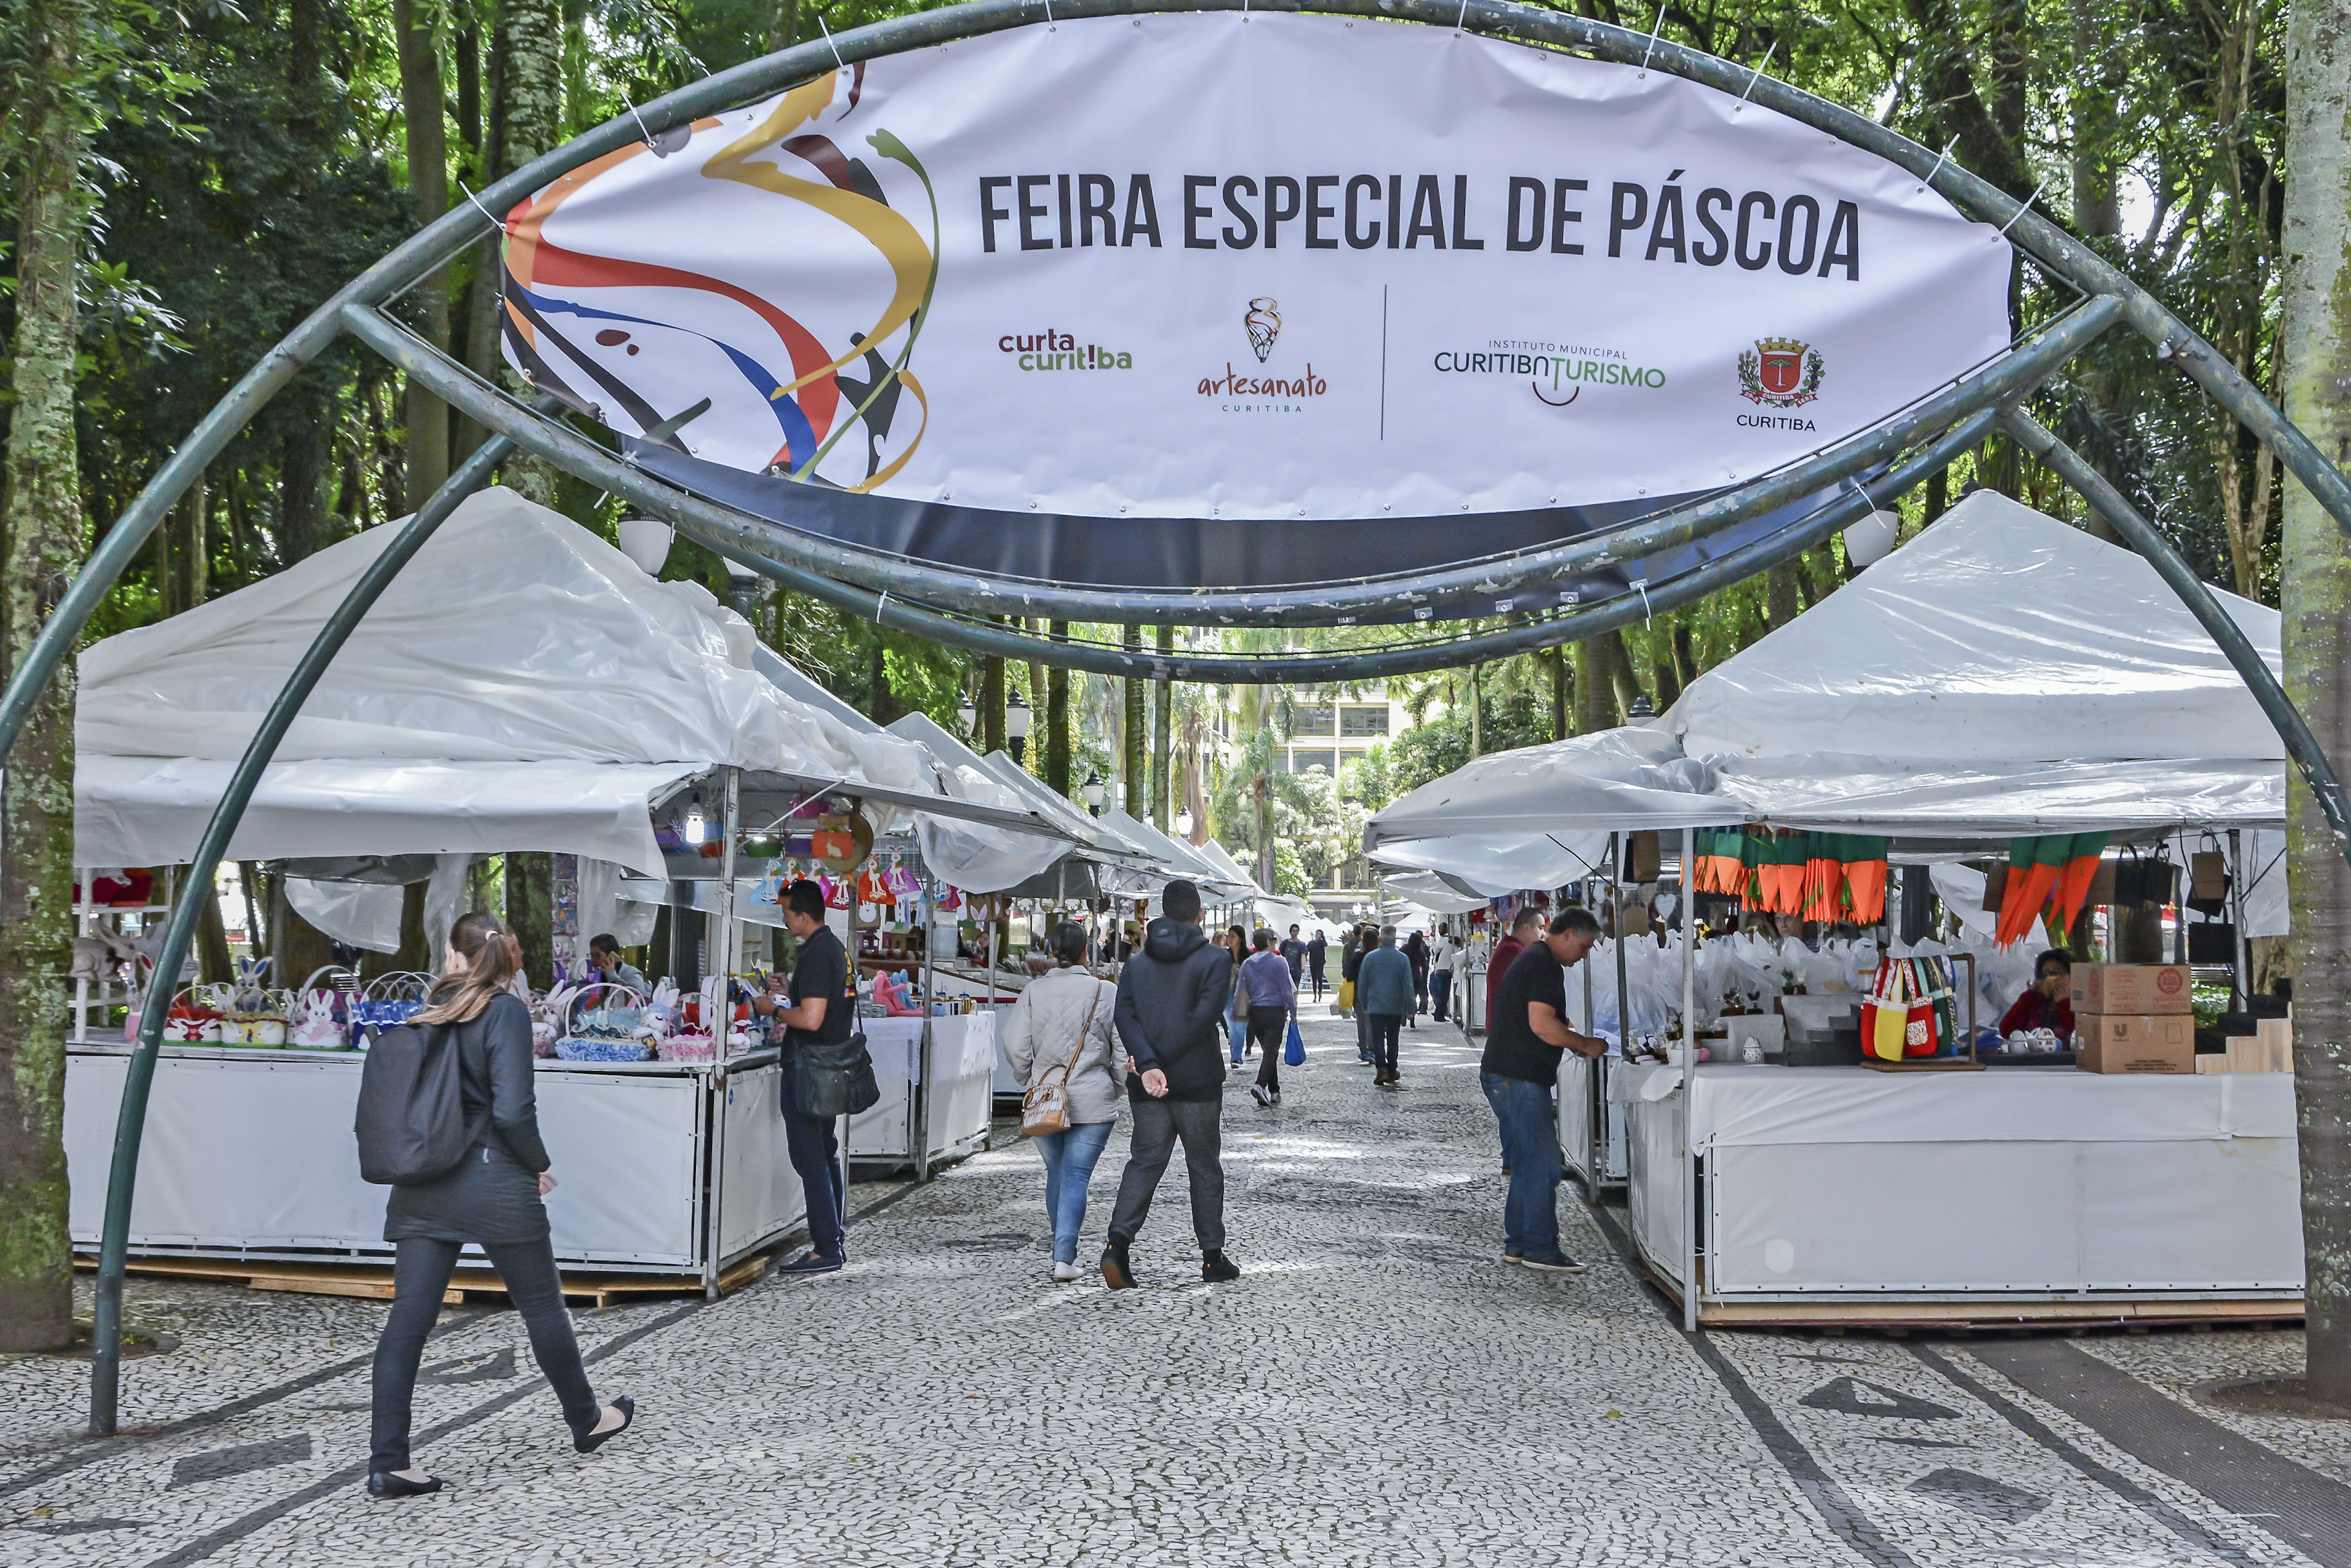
1215 1269
814 1262
1557 1263
1116 1271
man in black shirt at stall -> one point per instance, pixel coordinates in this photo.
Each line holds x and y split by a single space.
1525 1041
820 1008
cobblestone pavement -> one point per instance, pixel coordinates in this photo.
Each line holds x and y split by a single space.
1378 1388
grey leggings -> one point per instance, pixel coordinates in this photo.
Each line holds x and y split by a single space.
420 1275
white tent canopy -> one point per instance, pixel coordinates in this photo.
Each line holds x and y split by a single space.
522 686
2002 674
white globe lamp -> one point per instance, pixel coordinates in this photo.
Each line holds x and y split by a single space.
1867 542
645 541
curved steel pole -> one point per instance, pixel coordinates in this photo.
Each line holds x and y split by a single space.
131 1118
819 564
2303 746
435 243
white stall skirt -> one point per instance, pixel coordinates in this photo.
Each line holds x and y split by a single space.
2031 1185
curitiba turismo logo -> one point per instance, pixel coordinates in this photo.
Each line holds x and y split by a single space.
1055 350
1779 373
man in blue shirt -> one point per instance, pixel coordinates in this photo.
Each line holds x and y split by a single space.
1383 995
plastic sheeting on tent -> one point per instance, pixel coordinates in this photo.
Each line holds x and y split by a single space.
523 686
977 859
1182 859
2001 674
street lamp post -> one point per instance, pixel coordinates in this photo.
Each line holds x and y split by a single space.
1017 719
1093 790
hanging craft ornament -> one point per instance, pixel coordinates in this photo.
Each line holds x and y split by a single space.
842 841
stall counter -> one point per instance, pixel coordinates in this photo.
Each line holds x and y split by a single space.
2019 1183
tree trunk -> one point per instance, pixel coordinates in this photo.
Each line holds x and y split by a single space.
301 467
427 457
187 552
45 540
1780 603
991 703
783 25
213 965
1057 719
297 948
530 37
2315 598
530 911
2090 95
1130 757
1561 720
1595 692
1620 675
1477 710
1162 720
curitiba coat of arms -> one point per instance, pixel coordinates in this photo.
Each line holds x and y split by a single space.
1780 373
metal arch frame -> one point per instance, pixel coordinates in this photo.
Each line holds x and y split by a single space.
900 579
864 580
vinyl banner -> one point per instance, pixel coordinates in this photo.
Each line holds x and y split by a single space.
1205 298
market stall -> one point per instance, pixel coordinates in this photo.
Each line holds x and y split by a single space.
2001 682
444 732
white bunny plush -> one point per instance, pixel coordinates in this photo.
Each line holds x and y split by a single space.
314 1026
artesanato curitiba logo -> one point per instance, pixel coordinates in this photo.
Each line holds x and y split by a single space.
1426 273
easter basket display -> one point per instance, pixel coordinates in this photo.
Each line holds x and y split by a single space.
613 1029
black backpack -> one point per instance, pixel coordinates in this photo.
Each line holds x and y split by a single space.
411 1125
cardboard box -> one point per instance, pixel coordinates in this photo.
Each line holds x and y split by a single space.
2135 1043
2131 989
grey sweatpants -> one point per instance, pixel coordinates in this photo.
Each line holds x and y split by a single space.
1158 1124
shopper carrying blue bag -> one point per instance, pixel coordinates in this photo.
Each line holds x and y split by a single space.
1273 998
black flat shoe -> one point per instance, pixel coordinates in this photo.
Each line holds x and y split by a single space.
384 1483
595 1440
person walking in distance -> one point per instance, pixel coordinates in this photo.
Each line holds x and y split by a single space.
493 1197
1293 954
1524 925
1272 992
1316 949
1415 949
1441 956
1525 1036
1384 996
1062 1030
815 1009
1170 996
1351 969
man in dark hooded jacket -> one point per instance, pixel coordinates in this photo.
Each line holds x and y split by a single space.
1171 1009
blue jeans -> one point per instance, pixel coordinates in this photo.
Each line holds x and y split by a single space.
1069 1156
1440 989
1530 1148
813 1145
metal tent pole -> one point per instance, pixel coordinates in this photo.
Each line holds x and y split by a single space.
130 1121
920 1109
2242 979
722 1029
1689 1083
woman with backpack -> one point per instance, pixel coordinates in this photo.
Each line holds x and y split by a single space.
493 1197
1058 1036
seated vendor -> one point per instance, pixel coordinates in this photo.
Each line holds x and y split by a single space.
2048 1003
604 952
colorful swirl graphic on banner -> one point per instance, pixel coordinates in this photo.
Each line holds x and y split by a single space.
808 406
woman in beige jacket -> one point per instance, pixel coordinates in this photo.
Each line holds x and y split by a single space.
1065 1017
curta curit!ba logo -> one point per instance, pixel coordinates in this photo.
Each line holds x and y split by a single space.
1779 373
1263 320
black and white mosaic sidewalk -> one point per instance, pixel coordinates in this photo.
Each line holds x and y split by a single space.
1378 1388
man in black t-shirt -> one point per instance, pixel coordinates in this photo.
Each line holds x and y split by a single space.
1525 1038
821 1007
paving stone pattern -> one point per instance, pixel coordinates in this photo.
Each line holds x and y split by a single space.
1378 1388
